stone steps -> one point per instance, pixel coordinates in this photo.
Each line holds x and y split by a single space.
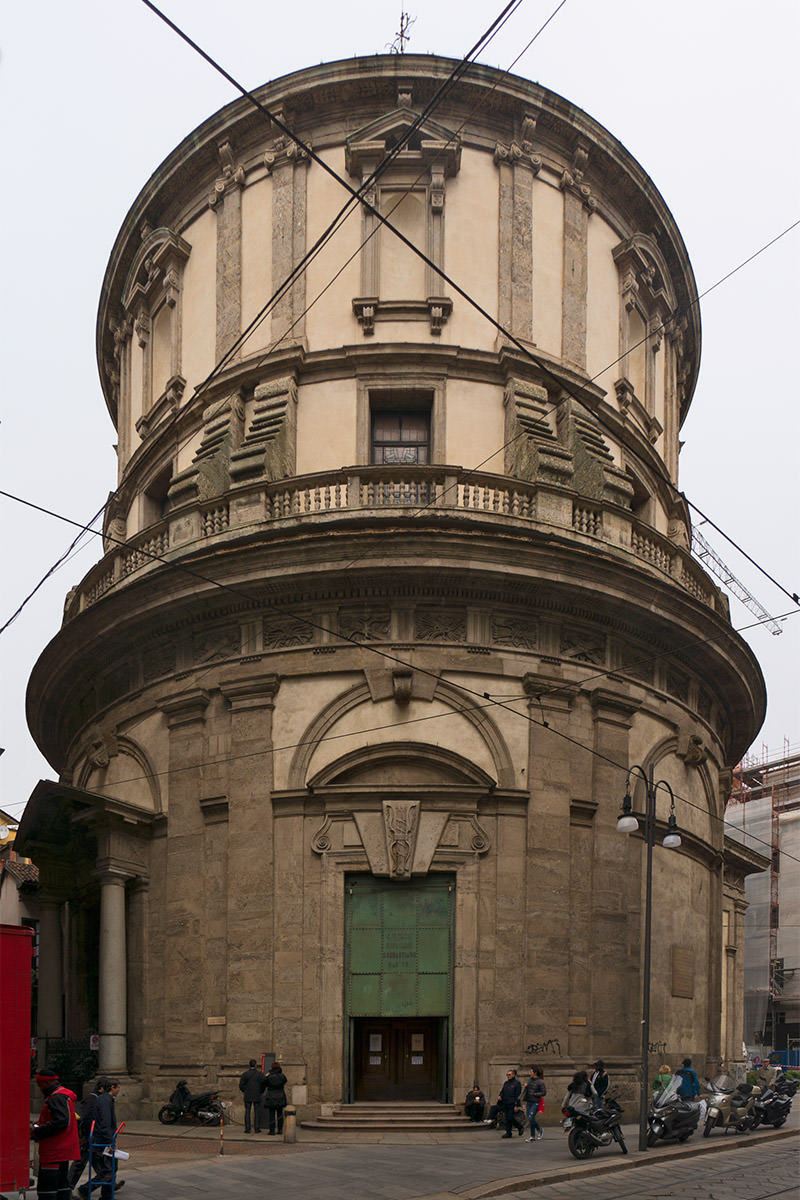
401 1117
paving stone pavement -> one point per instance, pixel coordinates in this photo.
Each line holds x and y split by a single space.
752 1167
766 1172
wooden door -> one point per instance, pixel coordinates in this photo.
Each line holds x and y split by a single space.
396 1059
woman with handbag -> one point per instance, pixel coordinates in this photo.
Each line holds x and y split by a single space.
534 1094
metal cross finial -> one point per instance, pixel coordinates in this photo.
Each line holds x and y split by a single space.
402 36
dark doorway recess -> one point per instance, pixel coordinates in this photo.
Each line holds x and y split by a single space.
396 1059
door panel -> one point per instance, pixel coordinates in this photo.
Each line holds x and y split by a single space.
396 1059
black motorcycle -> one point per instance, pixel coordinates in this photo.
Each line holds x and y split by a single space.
774 1104
671 1117
589 1128
205 1107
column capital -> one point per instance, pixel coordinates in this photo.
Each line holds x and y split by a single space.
185 708
258 691
107 870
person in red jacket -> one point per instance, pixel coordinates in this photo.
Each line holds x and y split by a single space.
56 1133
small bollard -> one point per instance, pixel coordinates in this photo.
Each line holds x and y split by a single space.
290 1123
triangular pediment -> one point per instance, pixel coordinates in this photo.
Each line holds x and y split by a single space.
432 142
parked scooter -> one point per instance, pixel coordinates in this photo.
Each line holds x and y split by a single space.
730 1106
589 1128
774 1104
205 1107
671 1117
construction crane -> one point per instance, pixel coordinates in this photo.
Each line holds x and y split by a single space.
708 556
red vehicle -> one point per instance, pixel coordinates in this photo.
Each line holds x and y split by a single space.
15 1053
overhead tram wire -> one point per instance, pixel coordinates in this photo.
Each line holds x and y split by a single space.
450 282
472 693
355 194
332 227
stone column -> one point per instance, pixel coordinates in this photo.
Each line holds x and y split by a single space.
113 974
51 984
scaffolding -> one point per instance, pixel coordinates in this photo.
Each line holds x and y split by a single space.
764 808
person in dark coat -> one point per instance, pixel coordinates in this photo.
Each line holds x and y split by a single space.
56 1133
104 1166
85 1112
475 1103
533 1096
251 1085
600 1081
275 1097
508 1100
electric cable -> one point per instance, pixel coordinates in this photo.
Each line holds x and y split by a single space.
411 246
469 692
406 241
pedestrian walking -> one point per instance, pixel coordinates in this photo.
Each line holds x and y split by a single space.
508 1101
533 1097
56 1134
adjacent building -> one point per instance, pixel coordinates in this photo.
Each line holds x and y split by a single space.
396 587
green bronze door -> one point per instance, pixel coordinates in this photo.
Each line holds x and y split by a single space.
399 988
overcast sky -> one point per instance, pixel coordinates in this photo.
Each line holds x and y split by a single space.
95 93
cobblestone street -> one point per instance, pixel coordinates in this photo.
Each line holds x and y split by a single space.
402 1167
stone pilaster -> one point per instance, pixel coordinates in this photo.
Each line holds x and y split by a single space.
184 956
242 930
573 302
226 200
515 267
288 164
616 892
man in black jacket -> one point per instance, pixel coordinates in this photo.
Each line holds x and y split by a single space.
508 1100
251 1085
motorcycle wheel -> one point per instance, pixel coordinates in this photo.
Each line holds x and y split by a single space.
580 1144
780 1121
684 1136
168 1115
652 1138
620 1140
709 1125
213 1111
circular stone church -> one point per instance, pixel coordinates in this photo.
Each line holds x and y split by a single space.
395 589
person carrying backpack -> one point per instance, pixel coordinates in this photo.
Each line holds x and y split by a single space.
689 1086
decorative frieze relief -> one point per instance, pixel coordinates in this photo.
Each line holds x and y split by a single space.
583 646
438 624
402 839
515 632
216 645
365 627
284 633
400 820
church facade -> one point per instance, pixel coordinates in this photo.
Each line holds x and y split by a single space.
396 588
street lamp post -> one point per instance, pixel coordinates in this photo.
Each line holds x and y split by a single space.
628 823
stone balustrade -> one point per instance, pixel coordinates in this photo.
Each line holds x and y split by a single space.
412 491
